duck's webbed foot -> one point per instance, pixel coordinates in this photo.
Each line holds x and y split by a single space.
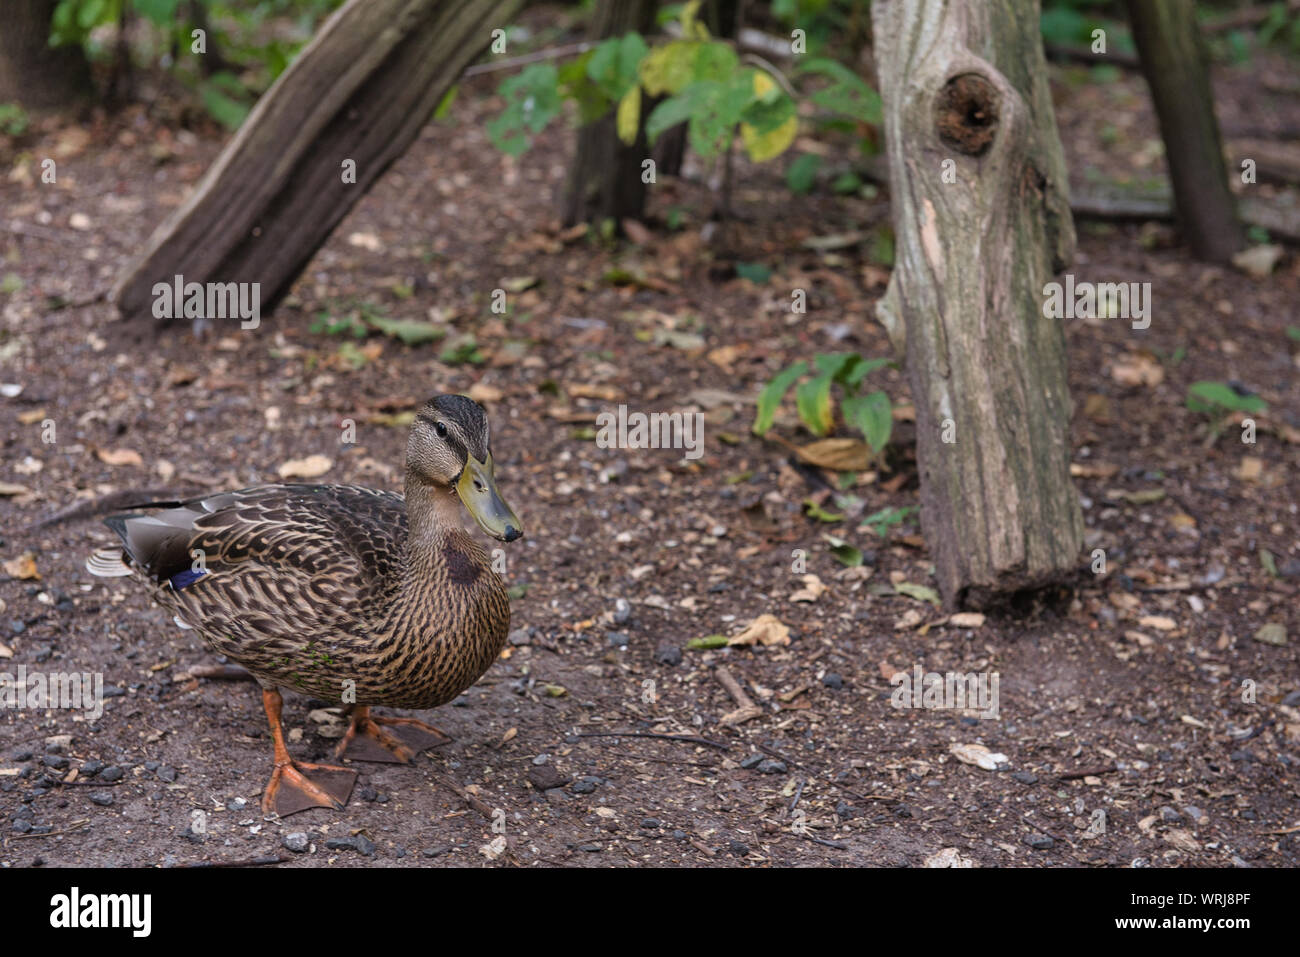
291 789
384 739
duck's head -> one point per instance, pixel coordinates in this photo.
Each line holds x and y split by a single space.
448 448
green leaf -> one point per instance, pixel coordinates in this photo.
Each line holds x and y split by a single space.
754 272
410 331
1293 333
813 400
707 642
919 592
1215 398
227 111
773 393
532 101
628 117
862 370
882 521
803 173
444 105
161 12
871 415
669 68
844 553
847 93
813 510
614 64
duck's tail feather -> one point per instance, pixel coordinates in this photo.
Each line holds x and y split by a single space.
108 563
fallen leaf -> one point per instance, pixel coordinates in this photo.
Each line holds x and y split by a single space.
23 567
813 588
12 488
31 416
979 756
1273 633
919 592
948 857
119 457
482 392
1159 622
1250 469
1137 369
310 467
839 455
764 630
1258 261
967 619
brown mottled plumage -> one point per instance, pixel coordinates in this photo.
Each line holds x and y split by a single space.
331 589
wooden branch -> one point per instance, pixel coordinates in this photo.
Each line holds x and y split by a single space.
358 94
1280 219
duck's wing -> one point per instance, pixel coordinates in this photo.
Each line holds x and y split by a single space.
324 553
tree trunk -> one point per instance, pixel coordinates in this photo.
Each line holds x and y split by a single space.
31 72
1175 64
360 92
964 87
604 180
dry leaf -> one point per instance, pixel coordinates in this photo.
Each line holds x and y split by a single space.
1137 369
11 488
1250 469
813 588
764 630
967 619
1092 469
1159 622
482 392
119 457
310 467
31 416
23 567
979 756
948 857
839 455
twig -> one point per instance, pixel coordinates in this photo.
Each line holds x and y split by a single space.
251 862
552 53
1041 830
798 794
838 845
693 739
748 709
74 826
1086 772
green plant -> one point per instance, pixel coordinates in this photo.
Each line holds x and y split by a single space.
870 414
703 83
1217 399
882 521
13 119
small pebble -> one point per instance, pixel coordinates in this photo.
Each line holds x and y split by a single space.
102 798
832 681
296 842
668 653
111 773
772 767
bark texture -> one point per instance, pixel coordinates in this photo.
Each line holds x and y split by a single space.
604 180
31 73
361 91
965 81
1177 71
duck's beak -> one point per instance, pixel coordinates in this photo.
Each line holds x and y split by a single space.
477 488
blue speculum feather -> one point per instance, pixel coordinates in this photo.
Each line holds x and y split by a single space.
186 578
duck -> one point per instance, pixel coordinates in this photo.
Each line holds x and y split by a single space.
348 594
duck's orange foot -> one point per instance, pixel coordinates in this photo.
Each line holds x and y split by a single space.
292 790
388 740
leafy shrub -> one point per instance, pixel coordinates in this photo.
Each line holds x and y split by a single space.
870 414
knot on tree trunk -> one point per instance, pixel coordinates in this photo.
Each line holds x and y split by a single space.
966 113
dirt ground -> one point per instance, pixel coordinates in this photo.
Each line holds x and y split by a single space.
1122 695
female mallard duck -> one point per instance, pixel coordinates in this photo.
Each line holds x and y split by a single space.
341 592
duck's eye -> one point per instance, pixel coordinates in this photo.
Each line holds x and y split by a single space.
441 429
